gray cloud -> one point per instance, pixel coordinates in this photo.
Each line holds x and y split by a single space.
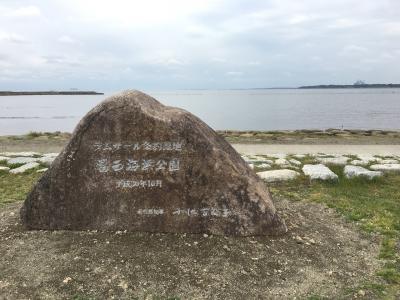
197 44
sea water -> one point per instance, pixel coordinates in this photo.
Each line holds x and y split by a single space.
258 109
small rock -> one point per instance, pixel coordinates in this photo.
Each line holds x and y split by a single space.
50 154
387 161
338 161
358 162
205 235
300 156
282 162
299 240
264 166
67 279
361 292
24 168
226 248
24 154
268 161
20 160
42 170
123 285
367 157
386 168
319 172
277 155
260 159
246 158
357 171
256 159
251 166
295 162
4 168
278 175
47 160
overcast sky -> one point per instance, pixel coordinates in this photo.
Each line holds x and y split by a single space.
183 44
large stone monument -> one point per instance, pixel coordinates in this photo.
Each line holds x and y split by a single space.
134 164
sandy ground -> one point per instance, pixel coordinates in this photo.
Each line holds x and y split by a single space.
322 254
265 149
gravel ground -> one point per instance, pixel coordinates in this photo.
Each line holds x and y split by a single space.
322 254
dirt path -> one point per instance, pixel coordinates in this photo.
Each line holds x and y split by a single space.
44 146
54 142
265 149
320 255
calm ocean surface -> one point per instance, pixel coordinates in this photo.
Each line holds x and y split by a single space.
225 109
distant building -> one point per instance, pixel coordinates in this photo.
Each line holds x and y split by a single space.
359 82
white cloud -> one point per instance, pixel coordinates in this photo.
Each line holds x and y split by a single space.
135 13
353 50
343 23
168 62
218 60
173 62
26 11
234 73
12 38
206 44
391 29
299 19
66 39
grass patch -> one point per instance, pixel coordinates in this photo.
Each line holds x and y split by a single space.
34 134
15 187
373 204
82 297
37 136
314 297
14 166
